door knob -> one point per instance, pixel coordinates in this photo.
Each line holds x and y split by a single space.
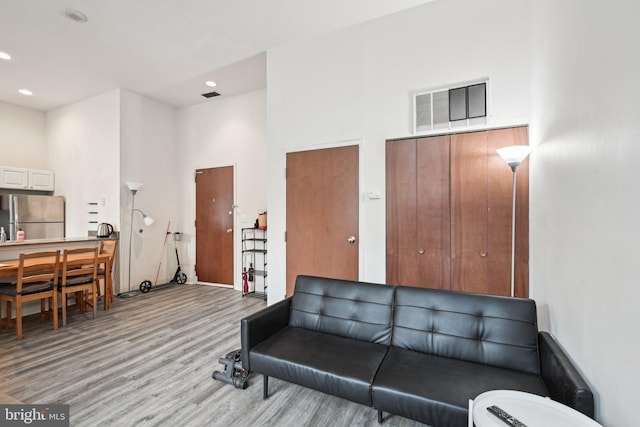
421 251
351 239
229 230
483 254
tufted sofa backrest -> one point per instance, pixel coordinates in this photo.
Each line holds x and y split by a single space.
492 330
357 310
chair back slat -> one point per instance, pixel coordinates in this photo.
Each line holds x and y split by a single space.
37 267
79 262
37 279
108 247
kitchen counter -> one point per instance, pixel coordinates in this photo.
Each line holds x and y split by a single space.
13 248
59 240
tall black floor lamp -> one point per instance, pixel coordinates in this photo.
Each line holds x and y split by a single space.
513 156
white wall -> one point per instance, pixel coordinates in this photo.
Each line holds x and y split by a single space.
83 143
22 137
585 203
148 154
355 85
96 145
225 132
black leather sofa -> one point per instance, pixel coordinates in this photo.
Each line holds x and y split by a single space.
417 353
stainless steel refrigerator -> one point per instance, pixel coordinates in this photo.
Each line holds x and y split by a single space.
40 217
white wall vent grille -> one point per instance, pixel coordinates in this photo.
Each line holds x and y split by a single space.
449 108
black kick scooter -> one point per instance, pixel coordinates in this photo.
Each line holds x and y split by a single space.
179 277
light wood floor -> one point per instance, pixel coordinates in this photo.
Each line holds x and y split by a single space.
148 362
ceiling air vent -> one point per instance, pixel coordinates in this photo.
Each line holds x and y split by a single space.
75 15
210 94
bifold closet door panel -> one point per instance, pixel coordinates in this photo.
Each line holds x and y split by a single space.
469 212
418 211
401 233
433 213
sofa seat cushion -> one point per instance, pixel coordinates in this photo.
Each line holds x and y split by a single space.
332 364
28 289
436 390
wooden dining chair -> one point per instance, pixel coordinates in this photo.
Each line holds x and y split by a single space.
107 247
79 276
37 279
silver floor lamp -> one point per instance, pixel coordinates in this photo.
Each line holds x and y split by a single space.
513 156
134 187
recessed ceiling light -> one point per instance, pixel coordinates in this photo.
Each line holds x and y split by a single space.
210 83
4 55
26 92
75 15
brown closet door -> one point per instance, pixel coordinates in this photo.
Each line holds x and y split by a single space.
469 212
433 213
402 254
449 213
417 192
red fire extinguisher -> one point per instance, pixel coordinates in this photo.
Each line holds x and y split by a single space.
245 281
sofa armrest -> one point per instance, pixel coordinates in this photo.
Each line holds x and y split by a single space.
261 325
563 380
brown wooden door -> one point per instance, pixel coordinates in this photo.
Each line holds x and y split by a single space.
434 205
402 222
214 225
322 214
449 213
481 203
417 191
469 212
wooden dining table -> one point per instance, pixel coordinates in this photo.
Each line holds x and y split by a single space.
9 268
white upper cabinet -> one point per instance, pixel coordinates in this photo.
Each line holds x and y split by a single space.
26 179
14 177
41 180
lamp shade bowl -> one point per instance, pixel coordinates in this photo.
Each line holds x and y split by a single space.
133 186
514 154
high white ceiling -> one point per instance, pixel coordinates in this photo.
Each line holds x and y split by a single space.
163 49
